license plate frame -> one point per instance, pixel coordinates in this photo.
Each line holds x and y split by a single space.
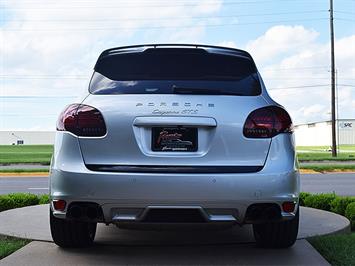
174 139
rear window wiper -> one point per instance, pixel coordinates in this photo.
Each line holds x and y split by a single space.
203 91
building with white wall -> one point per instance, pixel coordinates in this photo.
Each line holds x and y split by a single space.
320 133
26 137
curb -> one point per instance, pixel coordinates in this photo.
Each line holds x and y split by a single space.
23 174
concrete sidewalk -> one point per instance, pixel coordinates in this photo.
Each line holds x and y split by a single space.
128 247
41 253
33 223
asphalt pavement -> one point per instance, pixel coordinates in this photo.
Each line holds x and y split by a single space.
29 184
23 166
340 183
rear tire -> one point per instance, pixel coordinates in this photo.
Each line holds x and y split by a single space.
70 234
277 234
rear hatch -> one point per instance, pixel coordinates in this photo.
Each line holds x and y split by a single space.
175 107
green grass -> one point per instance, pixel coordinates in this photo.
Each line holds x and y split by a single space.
26 153
328 167
345 148
336 249
321 153
318 153
9 245
321 156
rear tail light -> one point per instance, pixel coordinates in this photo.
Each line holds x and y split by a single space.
267 122
82 120
59 205
288 206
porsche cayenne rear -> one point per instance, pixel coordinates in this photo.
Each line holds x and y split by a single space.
174 135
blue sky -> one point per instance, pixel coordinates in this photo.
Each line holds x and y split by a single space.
48 48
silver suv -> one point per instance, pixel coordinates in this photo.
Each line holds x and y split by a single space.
174 135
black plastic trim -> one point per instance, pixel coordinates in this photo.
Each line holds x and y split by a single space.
111 51
173 169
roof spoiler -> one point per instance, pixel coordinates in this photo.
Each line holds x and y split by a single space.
142 47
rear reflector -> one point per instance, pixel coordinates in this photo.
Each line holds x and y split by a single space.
82 120
59 205
288 206
267 122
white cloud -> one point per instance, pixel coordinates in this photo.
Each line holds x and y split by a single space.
50 38
50 43
231 44
314 109
207 6
309 66
279 40
353 104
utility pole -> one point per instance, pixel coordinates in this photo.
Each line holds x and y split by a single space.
337 112
332 70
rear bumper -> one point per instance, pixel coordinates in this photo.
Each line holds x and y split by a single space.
226 194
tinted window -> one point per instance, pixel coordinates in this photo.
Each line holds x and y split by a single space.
160 70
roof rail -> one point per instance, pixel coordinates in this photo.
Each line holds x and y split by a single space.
162 45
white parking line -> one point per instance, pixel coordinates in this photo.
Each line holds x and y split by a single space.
37 188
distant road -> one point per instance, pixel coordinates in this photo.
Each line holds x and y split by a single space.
31 184
23 166
340 183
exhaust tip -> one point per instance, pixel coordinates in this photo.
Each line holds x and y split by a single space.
262 212
271 213
85 211
75 212
92 213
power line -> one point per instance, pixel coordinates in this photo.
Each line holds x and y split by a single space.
26 77
156 2
300 87
295 78
343 77
155 19
309 86
345 19
167 27
346 85
41 75
139 4
344 12
35 97
307 78
292 68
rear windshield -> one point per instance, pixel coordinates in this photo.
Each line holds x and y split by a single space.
166 71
